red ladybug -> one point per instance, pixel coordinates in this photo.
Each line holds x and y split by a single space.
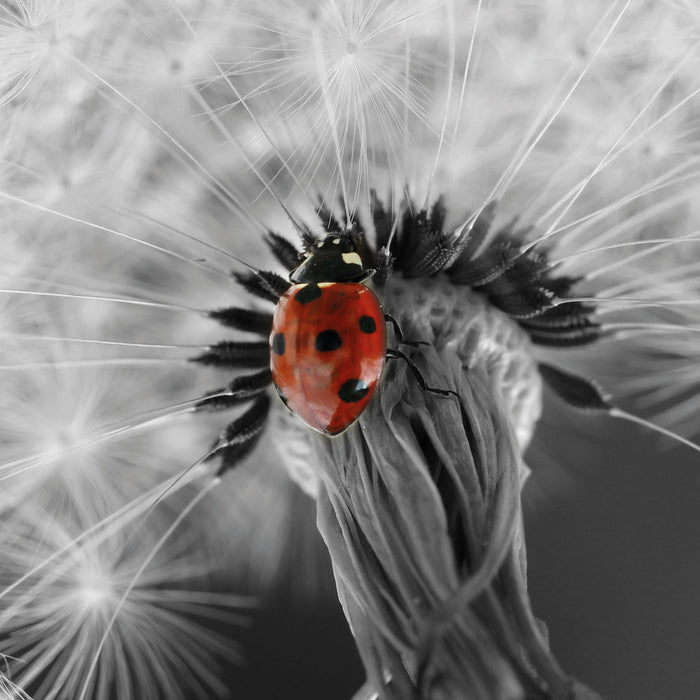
326 350
328 340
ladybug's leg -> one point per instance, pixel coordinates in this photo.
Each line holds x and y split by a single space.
367 274
240 436
399 333
392 354
240 389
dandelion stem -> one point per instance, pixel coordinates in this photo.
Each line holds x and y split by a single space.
420 509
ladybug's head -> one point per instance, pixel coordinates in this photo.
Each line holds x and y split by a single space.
334 259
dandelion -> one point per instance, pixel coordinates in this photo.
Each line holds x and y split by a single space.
529 171
90 598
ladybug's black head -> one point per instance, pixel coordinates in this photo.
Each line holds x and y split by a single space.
334 259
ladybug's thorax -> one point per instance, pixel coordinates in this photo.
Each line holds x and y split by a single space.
334 259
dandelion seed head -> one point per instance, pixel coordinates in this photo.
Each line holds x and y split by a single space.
54 446
57 621
95 592
328 77
36 37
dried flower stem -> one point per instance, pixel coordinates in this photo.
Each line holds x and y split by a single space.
420 511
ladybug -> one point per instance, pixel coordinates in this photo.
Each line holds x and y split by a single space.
328 340
325 347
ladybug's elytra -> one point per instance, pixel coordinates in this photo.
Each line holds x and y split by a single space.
328 341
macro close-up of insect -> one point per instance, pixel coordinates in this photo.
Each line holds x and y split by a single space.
327 341
349 349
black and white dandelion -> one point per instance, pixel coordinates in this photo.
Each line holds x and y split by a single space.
108 614
517 183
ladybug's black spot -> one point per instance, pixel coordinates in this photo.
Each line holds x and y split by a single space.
328 340
353 390
308 293
367 324
277 344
